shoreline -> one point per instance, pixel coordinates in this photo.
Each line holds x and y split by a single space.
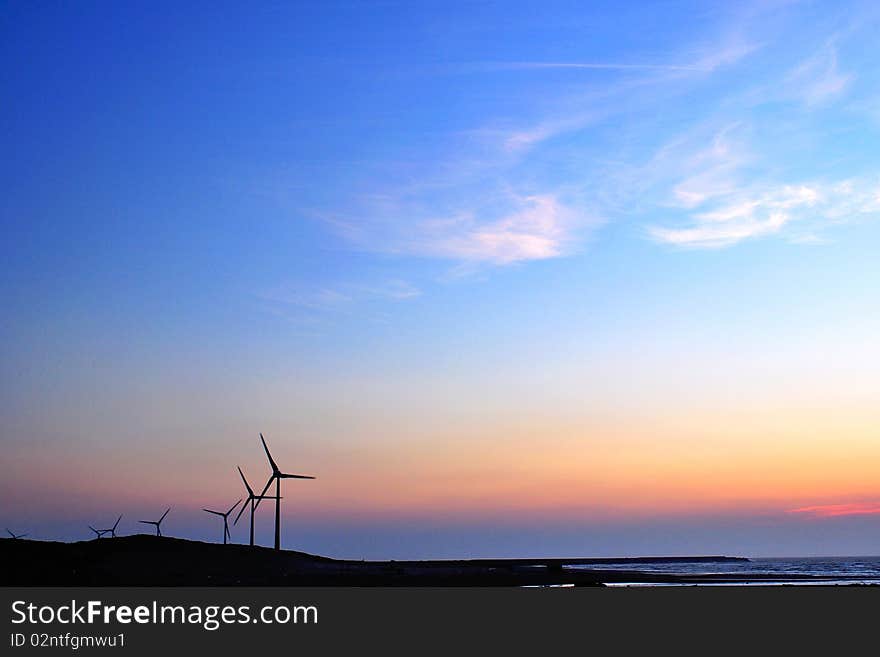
144 560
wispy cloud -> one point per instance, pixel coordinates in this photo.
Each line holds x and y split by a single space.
540 227
504 229
818 79
599 66
813 82
730 190
707 174
521 139
705 61
714 57
836 510
769 211
744 219
487 201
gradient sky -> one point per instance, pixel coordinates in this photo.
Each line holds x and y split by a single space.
512 279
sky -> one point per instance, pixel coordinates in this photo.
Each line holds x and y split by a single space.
509 278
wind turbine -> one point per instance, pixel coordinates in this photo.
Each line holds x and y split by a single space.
112 530
157 522
251 499
277 476
225 517
15 536
99 533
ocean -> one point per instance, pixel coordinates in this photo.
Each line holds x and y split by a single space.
771 571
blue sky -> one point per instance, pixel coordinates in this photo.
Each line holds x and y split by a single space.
453 238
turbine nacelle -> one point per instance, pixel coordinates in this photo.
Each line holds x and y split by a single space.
112 530
225 516
157 523
99 533
253 500
276 471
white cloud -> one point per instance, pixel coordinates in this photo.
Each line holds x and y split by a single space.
773 210
713 235
540 227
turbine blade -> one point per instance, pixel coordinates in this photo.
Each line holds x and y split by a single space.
165 514
243 507
216 513
10 533
265 488
116 524
271 460
232 508
246 484
293 476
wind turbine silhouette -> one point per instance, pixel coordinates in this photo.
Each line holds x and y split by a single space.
157 522
225 517
112 530
277 476
251 498
99 533
15 536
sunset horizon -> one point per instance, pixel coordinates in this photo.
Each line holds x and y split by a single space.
574 282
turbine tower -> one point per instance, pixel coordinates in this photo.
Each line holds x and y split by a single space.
225 517
112 530
15 536
158 522
251 499
277 476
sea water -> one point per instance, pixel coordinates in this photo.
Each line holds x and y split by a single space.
840 570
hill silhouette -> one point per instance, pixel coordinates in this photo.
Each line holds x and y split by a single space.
148 560
144 560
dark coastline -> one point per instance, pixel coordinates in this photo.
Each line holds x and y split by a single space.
162 561
144 560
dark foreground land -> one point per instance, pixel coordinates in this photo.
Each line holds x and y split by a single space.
162 561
